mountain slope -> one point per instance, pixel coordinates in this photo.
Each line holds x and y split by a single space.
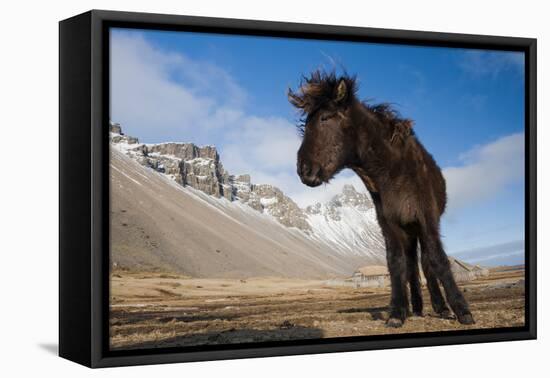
176 208
157 224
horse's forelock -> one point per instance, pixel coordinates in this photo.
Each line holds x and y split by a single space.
320 87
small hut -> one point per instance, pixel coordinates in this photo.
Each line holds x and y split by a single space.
371 276
378 275
466 272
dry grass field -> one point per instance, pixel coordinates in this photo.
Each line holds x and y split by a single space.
150 310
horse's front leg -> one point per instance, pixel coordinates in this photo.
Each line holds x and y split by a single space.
397 266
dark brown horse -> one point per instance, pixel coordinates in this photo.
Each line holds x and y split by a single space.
405 183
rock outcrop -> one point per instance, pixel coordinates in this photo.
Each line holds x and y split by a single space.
200 168
270 199
117 136
349 198
186 163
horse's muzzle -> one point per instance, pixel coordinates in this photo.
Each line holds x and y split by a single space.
312 181
311 175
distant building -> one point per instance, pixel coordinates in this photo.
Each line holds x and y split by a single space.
378 275
466 272
371 276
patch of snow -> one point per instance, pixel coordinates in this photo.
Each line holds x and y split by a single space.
200 161
268 201
353 231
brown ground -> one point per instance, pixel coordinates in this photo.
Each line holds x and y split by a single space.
159 310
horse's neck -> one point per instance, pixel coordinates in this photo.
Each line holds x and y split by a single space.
376 154
368 181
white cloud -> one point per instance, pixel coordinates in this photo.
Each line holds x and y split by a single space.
491 63
270 143
485 170
160 95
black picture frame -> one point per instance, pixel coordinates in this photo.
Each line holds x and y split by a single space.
84 187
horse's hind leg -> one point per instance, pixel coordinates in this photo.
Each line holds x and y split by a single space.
438 302
438 261
413 276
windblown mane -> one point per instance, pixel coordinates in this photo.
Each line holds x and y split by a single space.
386 114
320 88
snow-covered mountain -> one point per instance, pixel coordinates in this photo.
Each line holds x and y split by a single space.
200 168
346 225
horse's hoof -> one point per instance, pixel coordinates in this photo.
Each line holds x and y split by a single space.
445 314
418 313
394 323
466 319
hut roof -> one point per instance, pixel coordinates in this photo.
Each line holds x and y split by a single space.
373 270
457 265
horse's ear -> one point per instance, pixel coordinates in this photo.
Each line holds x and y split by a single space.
341 91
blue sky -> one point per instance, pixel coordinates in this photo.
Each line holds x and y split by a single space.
230 91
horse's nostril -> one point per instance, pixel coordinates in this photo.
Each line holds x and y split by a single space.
306 169
316 172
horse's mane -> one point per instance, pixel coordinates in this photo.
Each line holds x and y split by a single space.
321 87
318 89
400 127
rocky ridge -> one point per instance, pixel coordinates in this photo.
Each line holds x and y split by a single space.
200 168
348 223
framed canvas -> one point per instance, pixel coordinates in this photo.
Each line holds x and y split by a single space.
235 188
